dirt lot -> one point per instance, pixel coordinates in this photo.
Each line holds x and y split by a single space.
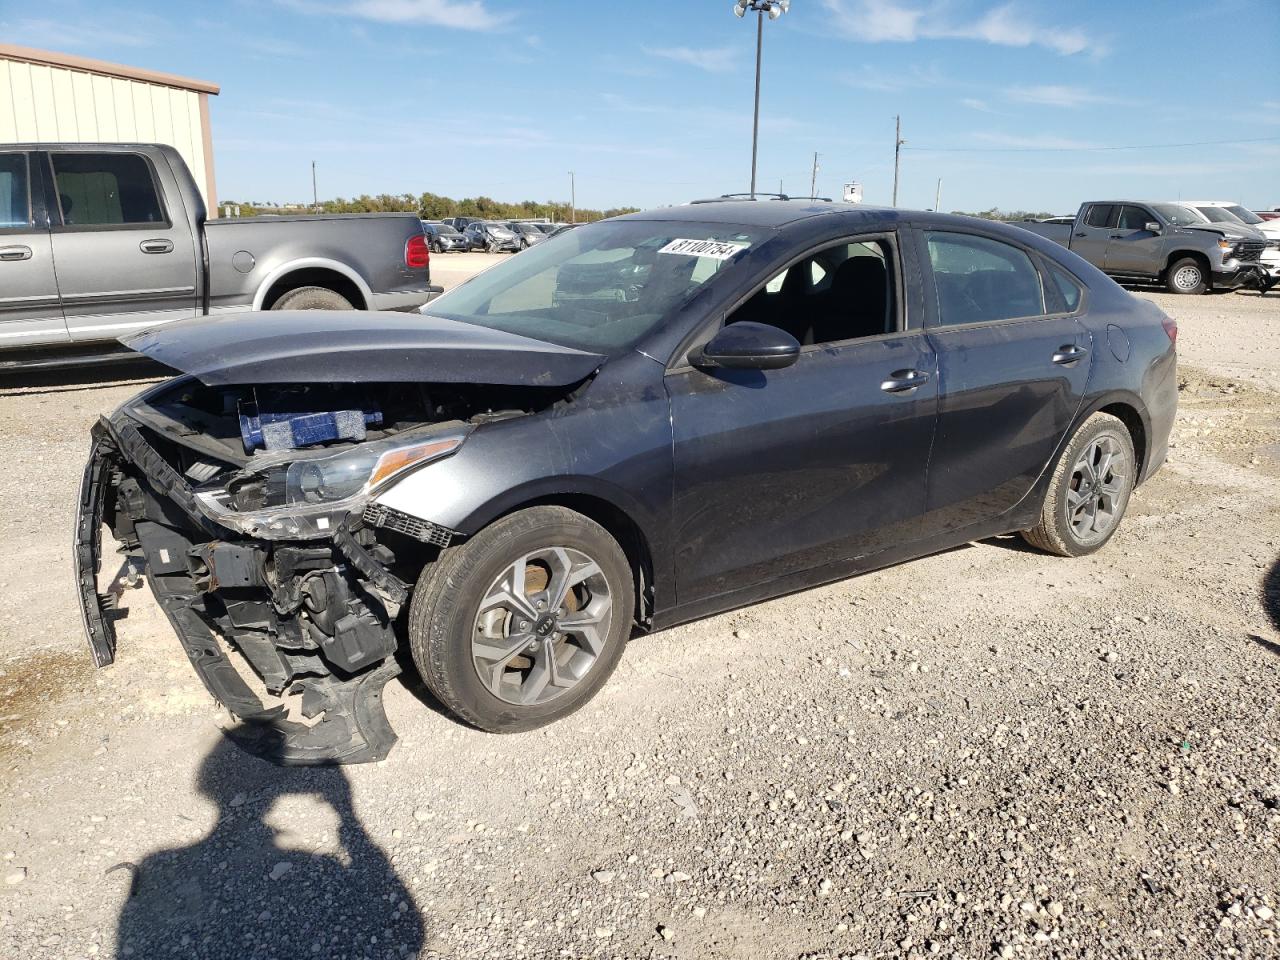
985 753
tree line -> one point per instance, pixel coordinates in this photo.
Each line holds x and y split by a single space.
1007 216
431 206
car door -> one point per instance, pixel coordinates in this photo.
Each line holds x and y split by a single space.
781 471
1013 363
1132 249
1092 233
30 312
125 261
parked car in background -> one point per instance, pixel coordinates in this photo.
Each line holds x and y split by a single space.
653 419
443 238
460 223
103 240
1158 242
564 228
547 228
1269 214
528 233
492 237
1224 213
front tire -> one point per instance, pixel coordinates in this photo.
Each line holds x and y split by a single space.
523 623
1186 276
1089 490
313 298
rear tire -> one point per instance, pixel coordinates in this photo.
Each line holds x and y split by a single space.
1089 490
487 660
1186 276
313 298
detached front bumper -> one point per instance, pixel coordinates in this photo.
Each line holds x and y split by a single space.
1234 275
314 621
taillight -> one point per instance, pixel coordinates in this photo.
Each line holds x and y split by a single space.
417 255
1171 328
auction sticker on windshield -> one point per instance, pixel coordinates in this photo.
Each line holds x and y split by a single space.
715 249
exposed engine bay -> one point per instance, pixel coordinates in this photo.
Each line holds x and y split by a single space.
250 510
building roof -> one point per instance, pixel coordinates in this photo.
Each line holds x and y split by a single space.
67 61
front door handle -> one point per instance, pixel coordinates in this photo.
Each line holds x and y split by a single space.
15 252
1069 354
1081 234
904 381
156 246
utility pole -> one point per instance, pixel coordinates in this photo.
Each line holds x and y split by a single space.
573 200
781 192
897 153
813 180
315 197
937 197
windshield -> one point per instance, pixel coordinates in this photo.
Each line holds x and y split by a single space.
1218 215
1177 214
1244 215
601 287
445 229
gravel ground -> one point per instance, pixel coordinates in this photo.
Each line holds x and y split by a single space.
989 752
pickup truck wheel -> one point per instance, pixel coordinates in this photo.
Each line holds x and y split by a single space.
312 298
1185 276
1089 490
524 622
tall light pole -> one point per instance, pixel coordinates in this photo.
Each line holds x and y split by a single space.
775 9
573 199
315 197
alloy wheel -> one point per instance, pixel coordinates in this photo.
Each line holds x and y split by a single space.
1096 490
541 625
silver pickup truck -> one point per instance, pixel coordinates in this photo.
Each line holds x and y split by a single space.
101 240
1159 242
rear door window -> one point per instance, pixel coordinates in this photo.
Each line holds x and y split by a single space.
15 198
978 279
105 189
1099 215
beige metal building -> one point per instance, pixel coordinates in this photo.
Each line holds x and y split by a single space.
59 98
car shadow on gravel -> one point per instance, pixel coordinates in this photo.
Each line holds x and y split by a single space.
256 888
1271 604
130 368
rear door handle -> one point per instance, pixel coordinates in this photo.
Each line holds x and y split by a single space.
1081 234
156 246
1068 354
904 381
15 252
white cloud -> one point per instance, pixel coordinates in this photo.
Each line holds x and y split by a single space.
61 35
712 59
904 21
458 14
1053 95
973 103
890 81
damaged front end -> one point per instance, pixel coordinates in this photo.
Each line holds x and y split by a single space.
252 516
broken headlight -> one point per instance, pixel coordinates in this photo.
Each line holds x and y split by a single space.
309 497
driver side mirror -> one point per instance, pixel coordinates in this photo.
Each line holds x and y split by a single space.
747 346
1151 226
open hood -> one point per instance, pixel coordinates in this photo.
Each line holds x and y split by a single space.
351 346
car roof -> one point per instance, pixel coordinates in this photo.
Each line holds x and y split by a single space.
759 213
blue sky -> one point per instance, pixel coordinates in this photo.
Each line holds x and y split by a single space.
650 103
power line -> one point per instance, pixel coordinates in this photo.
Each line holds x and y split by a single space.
1137 146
